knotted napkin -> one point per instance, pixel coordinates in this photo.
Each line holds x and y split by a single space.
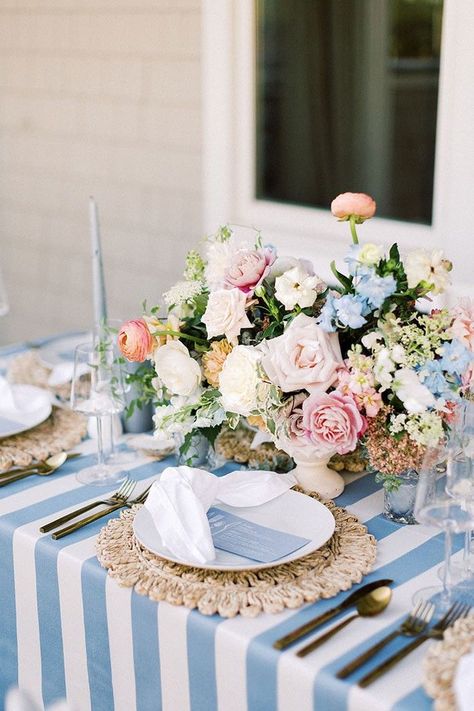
464 683
17 407
179 500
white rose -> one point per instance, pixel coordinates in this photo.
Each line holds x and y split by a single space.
383 368
415 396
239 382
174 366
370 254
225 314
304 357
296 286
432 268
283 264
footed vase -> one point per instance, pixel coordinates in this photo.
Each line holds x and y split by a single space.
316 476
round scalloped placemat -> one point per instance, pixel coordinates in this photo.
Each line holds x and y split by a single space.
342 561
441 661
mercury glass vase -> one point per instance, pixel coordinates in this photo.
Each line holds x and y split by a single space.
399 503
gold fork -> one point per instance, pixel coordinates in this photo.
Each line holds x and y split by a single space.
456 612
413 625
120 496
94 517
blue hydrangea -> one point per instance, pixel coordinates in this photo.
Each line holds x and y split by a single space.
328 315
432 377
352 260
456 358
350 310
376 288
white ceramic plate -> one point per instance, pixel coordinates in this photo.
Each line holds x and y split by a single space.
11 424
61 350
291 512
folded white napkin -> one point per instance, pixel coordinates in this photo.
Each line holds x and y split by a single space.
179 500
464 683
15 405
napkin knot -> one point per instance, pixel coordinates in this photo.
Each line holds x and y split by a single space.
178 503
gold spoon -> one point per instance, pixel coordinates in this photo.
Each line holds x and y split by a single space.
50 466
368 606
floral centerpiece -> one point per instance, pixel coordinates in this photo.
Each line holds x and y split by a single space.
252 334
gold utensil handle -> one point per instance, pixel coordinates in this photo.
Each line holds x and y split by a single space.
8 480
68 517
392 661
365 656
83 522
327 635
299 632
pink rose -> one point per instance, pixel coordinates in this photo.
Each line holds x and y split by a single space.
248 268
135 340
333 422
358 204
304 357
463 324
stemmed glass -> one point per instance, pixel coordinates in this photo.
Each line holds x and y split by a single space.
97 391
437 505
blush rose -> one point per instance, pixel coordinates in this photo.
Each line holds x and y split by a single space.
332 422
248 268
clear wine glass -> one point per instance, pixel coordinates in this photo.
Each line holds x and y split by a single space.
434 506
98 391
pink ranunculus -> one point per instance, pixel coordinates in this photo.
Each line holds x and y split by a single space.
304 357
248 268
358 204
333 422
135 340
463 324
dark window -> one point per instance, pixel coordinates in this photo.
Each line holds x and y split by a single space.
347 100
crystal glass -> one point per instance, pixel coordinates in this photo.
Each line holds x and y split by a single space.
447 510
98 391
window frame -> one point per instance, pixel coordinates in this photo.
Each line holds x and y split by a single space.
229 120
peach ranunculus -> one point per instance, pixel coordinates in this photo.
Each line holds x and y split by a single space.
304 357
360 205
463 325
135 340
333 422
248 268
213 361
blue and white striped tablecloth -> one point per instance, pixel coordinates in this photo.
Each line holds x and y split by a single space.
68 630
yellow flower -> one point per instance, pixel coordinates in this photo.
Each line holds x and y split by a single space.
213 361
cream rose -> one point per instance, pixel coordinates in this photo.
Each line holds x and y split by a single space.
239 382
370 254
304 357
176 369
225 314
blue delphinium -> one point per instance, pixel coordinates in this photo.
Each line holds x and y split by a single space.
432 376
376 288
328 315
456 358
350 309
355 267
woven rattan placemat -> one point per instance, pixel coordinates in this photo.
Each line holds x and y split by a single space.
342 561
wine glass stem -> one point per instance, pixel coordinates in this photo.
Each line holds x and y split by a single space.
448 545
100 441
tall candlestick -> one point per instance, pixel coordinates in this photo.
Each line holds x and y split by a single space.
98 283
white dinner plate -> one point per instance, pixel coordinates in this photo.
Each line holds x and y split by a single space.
61 350
291 512
27 416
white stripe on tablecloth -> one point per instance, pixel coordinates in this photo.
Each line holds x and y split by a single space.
27 625
36 494
119 623
365 508
70 560
231 642
173 657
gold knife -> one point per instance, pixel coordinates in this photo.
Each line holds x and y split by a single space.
312 624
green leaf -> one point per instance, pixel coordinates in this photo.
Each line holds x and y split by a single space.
394 253
344 280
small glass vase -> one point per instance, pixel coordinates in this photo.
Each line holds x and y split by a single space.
399 504
193 451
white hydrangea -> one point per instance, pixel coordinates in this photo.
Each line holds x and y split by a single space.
182 292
